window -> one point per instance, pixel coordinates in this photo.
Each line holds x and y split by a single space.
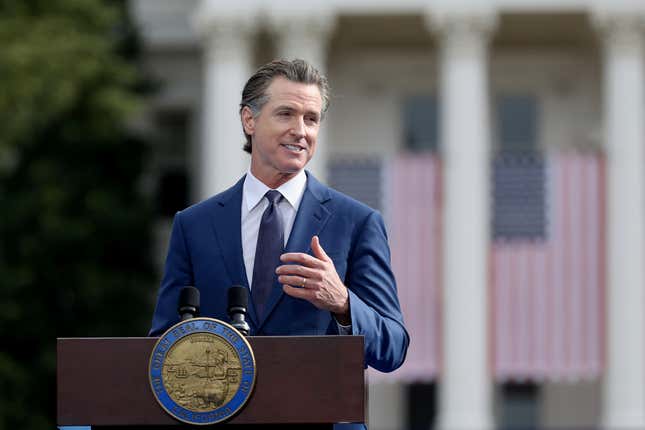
517 124
358 178
519 406
422 406
421 123
172 135
518 172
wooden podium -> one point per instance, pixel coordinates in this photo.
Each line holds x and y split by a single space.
312 380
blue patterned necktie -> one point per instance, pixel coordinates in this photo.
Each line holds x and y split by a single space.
267 253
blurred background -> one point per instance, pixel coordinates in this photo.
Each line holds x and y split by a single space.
501 139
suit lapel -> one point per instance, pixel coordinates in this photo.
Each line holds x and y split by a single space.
311 218
228 231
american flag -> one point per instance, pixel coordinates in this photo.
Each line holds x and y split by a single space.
547 269
547 313
413 196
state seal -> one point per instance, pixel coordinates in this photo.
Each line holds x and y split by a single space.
202 371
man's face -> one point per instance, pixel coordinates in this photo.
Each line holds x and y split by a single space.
285 131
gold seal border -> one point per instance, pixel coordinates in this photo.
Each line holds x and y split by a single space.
242 404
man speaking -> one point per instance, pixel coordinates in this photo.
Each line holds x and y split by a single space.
315 261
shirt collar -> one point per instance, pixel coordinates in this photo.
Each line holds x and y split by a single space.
292 190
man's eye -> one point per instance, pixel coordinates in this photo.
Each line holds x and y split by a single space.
312 119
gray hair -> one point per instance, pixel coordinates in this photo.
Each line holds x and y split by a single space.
254 95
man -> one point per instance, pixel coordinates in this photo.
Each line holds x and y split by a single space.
315 260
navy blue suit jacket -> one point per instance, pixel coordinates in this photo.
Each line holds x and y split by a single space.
206 251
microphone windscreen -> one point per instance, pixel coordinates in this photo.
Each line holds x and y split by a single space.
189 296
238 297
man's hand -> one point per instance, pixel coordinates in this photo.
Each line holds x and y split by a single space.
315 279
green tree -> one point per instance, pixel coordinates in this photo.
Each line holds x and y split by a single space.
75 256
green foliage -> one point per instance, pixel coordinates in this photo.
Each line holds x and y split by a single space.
74 229
53 53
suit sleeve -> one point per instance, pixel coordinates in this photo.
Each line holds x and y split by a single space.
178 273
374 305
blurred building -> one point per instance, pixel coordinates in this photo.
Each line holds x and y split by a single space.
503 141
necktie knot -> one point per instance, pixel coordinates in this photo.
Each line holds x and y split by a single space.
274 196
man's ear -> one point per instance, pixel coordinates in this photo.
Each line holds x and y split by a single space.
248 120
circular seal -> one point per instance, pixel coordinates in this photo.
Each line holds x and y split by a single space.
202 371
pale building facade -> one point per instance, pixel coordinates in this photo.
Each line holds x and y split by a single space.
577 70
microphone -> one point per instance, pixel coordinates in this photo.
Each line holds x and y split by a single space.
188 303
238 300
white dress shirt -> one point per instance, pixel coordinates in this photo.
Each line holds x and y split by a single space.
253 206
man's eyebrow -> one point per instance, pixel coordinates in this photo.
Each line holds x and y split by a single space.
293 109
289 108
284 107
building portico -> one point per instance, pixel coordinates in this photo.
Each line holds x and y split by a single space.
579 66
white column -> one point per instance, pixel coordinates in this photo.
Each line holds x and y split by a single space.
227 66
465 400
306 35
624 110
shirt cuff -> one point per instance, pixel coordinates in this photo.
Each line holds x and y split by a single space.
344 330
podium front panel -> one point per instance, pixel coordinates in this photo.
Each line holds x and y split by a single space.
300 380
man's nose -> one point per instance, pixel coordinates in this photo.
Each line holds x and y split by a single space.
298 128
